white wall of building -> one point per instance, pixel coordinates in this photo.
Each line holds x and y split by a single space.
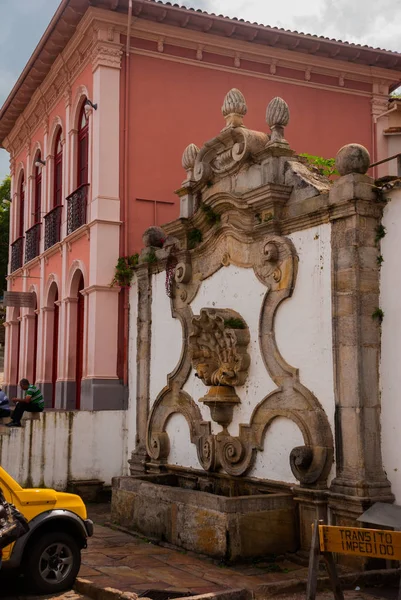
63 446
390 364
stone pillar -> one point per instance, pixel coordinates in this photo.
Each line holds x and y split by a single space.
356 214
312 504
66 386
101 388
29 325
11 358
143 350
46 384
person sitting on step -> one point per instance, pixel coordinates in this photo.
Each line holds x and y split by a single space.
33 402
5 410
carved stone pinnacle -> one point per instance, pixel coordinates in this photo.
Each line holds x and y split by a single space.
277 117
189 157
234 108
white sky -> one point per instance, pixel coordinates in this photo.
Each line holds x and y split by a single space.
370 22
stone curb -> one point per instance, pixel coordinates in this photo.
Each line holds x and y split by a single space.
366 578
87 588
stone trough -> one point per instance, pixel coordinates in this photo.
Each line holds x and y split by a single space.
223 519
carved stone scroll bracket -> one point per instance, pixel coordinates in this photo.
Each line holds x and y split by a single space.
311 464
227 152
158 442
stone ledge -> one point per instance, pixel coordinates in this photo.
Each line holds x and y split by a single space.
87 588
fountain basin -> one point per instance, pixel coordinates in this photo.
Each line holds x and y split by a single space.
207 517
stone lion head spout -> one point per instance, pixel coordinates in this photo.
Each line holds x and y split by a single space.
218 346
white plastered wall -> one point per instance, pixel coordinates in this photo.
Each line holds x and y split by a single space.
304 337
390 371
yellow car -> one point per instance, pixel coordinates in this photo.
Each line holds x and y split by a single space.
49 555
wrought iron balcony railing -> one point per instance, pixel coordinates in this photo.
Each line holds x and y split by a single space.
76 208
53 226
16 254
32 240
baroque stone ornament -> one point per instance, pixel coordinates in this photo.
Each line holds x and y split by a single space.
234 108
235 144
277 117
189 157
352 158
234 177
275 263
218 352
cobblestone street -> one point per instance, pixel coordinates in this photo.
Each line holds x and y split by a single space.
118 560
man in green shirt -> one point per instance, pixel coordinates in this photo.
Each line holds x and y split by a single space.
33 402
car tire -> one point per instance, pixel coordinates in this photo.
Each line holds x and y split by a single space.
52 563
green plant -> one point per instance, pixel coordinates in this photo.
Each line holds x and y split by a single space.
150 256
194 237
234 323
211 217
380 260
378 314
325 166
125 270
380 233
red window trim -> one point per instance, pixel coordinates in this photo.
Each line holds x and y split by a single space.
58 164
21 207
82 161
38 193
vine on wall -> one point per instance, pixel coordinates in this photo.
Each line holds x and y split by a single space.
125 270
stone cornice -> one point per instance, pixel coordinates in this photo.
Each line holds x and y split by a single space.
256 53
77 51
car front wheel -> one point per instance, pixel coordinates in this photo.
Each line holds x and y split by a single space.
53 563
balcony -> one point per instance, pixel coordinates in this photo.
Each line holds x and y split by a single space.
32 239
53 226
76 208
16 254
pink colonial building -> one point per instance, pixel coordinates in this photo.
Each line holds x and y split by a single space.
96 125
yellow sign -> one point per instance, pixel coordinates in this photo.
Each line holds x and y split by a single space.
361 542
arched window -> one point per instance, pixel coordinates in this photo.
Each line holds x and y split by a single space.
58 171
83 136
37 191
21 206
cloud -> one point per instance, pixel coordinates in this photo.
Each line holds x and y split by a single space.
370 22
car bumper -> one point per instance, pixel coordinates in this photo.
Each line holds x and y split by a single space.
89 527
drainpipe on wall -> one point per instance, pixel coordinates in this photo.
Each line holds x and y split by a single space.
374 134
126 191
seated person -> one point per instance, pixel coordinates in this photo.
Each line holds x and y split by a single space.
5 410
33 402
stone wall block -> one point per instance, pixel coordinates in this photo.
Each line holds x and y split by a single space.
347 331
346 280
369 331
369 381
348 387
351 187
367 305
346 304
